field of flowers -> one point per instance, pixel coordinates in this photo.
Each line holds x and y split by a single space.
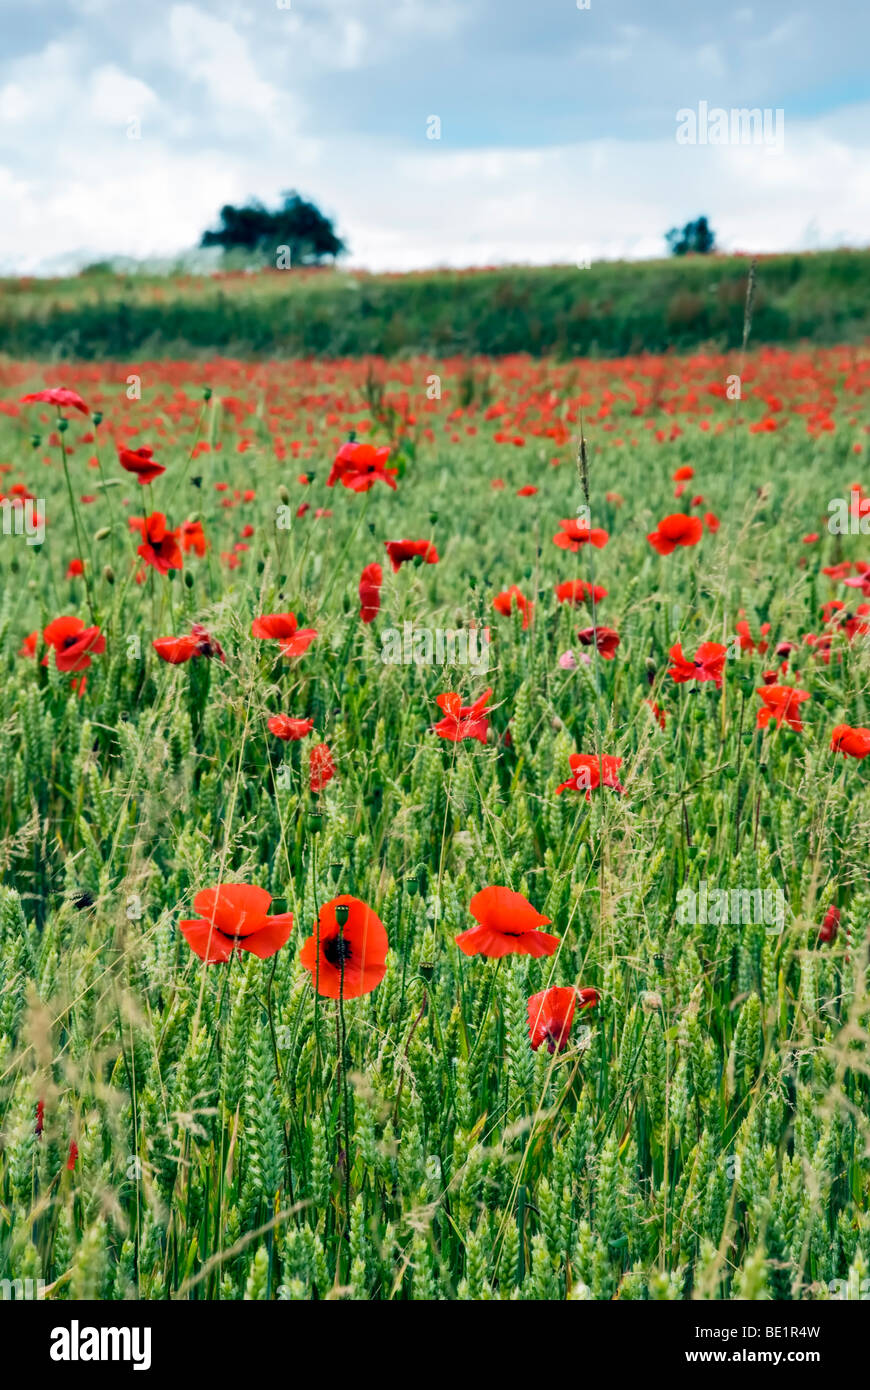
434 809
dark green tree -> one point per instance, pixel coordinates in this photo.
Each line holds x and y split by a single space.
697 238
297 224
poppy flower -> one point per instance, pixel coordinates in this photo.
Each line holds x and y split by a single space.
141 462
61 396
579 591
860 581
674 530
370 582
289 729
284 629
28 646
551 1014
462 721
657 712
682 475
178 650
72 1156
587 769
72 643
745 639
528 490
75 569
780 702
830 925
607 640
192 537
321 768
347 951
513 597
575 533
507 926
159 546
707 665
359 466
401 551
234 917
852 743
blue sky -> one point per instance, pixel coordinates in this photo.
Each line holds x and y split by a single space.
557 124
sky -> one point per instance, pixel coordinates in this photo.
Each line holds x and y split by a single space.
126 124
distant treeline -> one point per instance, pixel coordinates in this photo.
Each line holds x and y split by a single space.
607 309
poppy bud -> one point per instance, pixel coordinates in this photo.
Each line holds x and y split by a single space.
350 842
315 821
206 393
170 574
188 579
693 851
433 517
311 476
412 885
418 560
342 912
97 417
35 440
62 425
335 871
103 532
109 574
283 494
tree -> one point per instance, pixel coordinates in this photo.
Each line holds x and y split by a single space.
697 238
296 224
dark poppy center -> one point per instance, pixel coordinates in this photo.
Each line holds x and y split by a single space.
69 642
337 950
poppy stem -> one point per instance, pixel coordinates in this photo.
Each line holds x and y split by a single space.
88 569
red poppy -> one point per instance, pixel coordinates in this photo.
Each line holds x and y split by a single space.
507 925
683 474
141 462
400 551
860 581
528 490
658 712
72 643
72 1155
674 530
61 396
745 637
576 533
462 721
159 546
289 729
513 597
178 650
193 537
321 768
607 640
579 591
370 583
852 743
707 665
75 569
347 951
28 646
587 770
780 702
283 628
359 466
551 1014
830 925
233 917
